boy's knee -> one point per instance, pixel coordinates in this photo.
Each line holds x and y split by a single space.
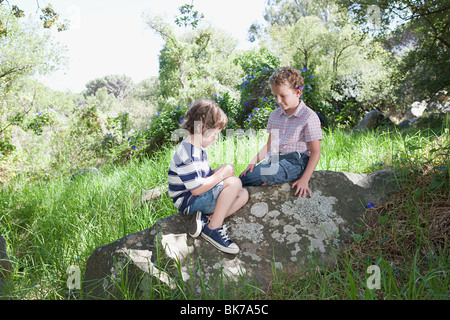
229 168
233 181
244 194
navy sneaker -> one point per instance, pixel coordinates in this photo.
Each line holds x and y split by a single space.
220 239
197 225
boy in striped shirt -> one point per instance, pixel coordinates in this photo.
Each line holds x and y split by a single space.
196 188
293 147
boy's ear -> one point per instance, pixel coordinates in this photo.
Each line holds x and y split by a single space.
198 127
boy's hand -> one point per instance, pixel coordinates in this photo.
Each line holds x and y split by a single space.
302 188
226 170
250 168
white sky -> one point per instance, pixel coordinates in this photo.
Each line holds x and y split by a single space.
110 36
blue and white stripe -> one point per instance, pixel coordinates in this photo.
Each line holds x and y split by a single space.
187 171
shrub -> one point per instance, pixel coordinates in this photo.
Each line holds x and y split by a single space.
230 106
163 125
254 87
257 119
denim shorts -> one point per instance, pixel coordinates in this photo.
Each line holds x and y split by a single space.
279 169
206 202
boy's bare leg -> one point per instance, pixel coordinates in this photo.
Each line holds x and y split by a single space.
239 202
232 198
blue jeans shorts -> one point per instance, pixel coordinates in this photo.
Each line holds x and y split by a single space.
206 202
279 169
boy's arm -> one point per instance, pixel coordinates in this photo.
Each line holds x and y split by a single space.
218 175
302 183
259 156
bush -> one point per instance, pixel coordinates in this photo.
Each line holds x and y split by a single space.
254 86
257 119
230 106
163 125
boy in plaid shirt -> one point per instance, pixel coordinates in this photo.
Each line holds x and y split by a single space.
293 147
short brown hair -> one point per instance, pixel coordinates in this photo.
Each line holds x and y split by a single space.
287 76
206 111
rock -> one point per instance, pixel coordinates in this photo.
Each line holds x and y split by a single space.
371 120
438 104
417 109
5 266
275 230
154 193
407 123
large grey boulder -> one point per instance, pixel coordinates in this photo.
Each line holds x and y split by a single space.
371 120
275 230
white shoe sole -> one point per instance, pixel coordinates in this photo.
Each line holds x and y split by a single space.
196 226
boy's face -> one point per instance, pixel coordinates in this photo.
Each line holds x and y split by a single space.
286 97
208 138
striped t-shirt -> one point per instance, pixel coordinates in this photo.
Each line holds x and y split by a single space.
187 171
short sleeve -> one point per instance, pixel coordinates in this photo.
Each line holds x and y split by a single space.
312 130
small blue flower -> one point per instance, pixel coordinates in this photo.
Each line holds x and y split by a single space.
133 147
370 205
304 69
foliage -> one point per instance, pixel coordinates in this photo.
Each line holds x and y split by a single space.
26 51
163 126
91 138
230 106
258 117
348 67
285 13
118 85
420 32
49 17
189 16
258 65
195 63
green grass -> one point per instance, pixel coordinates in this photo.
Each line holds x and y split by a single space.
50 225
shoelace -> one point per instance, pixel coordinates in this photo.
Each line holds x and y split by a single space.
223 233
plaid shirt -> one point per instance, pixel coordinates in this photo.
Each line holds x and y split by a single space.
291 133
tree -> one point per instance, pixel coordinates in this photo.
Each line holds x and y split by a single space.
193 63
425 56
118 85
288 12
189 16
345 69
49 17
25 51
